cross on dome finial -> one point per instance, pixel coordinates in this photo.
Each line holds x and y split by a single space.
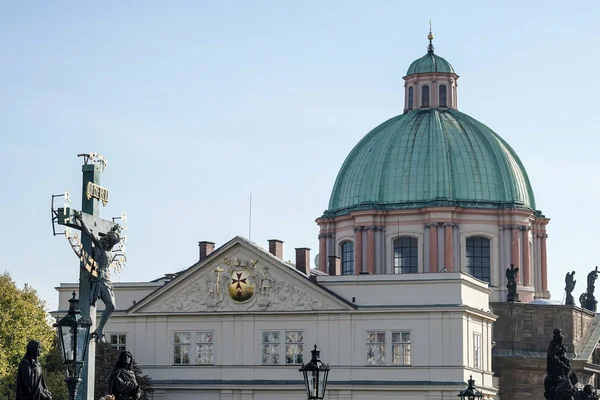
430 37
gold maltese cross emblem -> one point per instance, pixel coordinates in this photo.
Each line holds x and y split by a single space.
240 287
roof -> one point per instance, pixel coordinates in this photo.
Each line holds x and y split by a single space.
427 158
212 257
429 63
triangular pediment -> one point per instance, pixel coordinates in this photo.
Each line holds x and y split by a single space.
240 276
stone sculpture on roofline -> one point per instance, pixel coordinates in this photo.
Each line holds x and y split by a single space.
511 275
587 299
569 287
560 382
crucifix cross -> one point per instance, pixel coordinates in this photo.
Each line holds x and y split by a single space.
94 228
218 270
94 250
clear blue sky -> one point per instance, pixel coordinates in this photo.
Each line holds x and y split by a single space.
196 104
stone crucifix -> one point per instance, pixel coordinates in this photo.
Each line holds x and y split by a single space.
218 271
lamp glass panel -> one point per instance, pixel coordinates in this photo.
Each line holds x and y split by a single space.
305 373
322 383
81 341
315 385
322 375
68 339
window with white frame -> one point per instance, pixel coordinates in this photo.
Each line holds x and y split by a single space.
118 341
282 345
401 348
380 343
476 350
204 348
193 348
376 348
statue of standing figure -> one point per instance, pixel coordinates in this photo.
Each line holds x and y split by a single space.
31 384
511 275
560 383
587 299
102 285
122 384
569 287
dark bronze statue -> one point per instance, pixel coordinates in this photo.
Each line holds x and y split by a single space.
122 384
587 299
30 381
569 287
102 285
588 393
560 382
511 275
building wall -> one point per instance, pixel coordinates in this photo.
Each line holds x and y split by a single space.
528 327
442 313
438 351
522 333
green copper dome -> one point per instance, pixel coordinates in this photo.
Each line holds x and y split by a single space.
430 62
431 158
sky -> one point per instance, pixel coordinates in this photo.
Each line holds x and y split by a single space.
197 104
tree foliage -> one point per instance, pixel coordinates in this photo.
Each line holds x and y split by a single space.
106 359
23 317
55 372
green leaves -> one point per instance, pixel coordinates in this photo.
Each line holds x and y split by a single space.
23 317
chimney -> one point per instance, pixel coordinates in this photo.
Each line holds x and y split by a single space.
303 260
205 249
276 248
335 265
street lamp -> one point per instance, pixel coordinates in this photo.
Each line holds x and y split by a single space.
74 334
315 376
470 393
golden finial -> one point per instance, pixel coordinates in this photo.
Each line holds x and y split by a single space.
430 36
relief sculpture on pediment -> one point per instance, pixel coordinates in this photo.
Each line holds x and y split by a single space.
238 285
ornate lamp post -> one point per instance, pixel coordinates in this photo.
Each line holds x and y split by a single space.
315 376
470 393
74 334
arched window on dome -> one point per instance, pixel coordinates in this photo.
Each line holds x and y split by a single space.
411 98
478 257
443 101
406 255
425 96
347 258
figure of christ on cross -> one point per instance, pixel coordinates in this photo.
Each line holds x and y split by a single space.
101 287
218 270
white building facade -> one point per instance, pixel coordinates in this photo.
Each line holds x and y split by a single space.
240 323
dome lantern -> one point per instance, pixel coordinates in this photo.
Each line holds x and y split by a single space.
430 82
